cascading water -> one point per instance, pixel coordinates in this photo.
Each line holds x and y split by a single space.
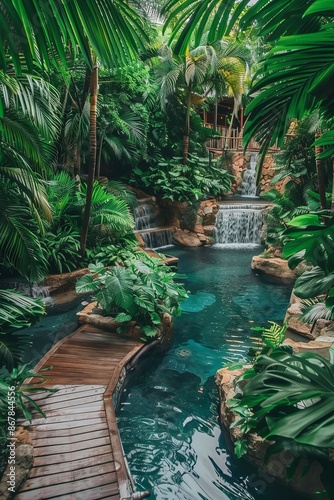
36 291
248 186
149 223
239 225
147 216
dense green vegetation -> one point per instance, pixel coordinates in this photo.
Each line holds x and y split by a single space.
288 397
94 93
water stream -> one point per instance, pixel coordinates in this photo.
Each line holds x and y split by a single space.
150 224
239 225
248 186
168 417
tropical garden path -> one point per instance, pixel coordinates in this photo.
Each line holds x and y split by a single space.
77 448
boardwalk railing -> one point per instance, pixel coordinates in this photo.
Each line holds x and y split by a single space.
230 140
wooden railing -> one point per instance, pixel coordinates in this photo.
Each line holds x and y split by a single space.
231 140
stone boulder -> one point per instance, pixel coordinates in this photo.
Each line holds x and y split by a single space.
320 347
321 329
24 458
57 283
188 239
274 268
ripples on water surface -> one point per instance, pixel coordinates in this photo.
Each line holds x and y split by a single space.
168 416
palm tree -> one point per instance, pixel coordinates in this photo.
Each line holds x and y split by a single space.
47 33
218 66
173 73
295 75
30 124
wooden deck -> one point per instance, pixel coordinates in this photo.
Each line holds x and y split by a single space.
77 449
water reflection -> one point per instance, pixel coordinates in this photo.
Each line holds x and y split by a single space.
168 418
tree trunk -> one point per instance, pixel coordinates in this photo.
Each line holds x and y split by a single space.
320 174
92 155
332 203
215 116
187 128
98 163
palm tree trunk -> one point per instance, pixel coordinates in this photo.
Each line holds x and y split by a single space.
332 203
187 128
92 155
320 174
215 116
98 164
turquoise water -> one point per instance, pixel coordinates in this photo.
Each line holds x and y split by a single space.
168 417
48 331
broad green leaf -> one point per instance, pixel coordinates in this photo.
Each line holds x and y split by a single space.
313 283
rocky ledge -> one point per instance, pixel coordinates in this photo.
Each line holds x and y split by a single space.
322 330
274 268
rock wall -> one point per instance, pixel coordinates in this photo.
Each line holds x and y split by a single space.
193 224
239 163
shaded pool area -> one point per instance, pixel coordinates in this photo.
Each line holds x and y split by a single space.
49 330
168 417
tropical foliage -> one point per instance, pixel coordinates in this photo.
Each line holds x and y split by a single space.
110 220
16 312
310 238
141 290
287 399
219 67
292 79
174 180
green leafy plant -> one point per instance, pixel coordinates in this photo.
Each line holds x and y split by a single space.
110 221
111 254
311 238
140 290
271 337
16 312
62 249
290 397
194 181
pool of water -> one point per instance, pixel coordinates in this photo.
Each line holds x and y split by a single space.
49 330
168 417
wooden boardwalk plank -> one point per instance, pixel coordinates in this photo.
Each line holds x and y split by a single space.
53 491
64 391
69 465
55 449
70 457
76 431
71 476
77 449
50 441
106 491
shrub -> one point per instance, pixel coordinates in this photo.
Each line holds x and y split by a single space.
140 290
196 180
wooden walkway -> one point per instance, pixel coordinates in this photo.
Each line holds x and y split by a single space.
77 449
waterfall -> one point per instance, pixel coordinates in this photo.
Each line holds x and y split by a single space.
239 225
248 186
149 223
157 237
147 215
36 291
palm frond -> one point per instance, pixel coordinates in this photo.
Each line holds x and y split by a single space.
19 241
47 32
